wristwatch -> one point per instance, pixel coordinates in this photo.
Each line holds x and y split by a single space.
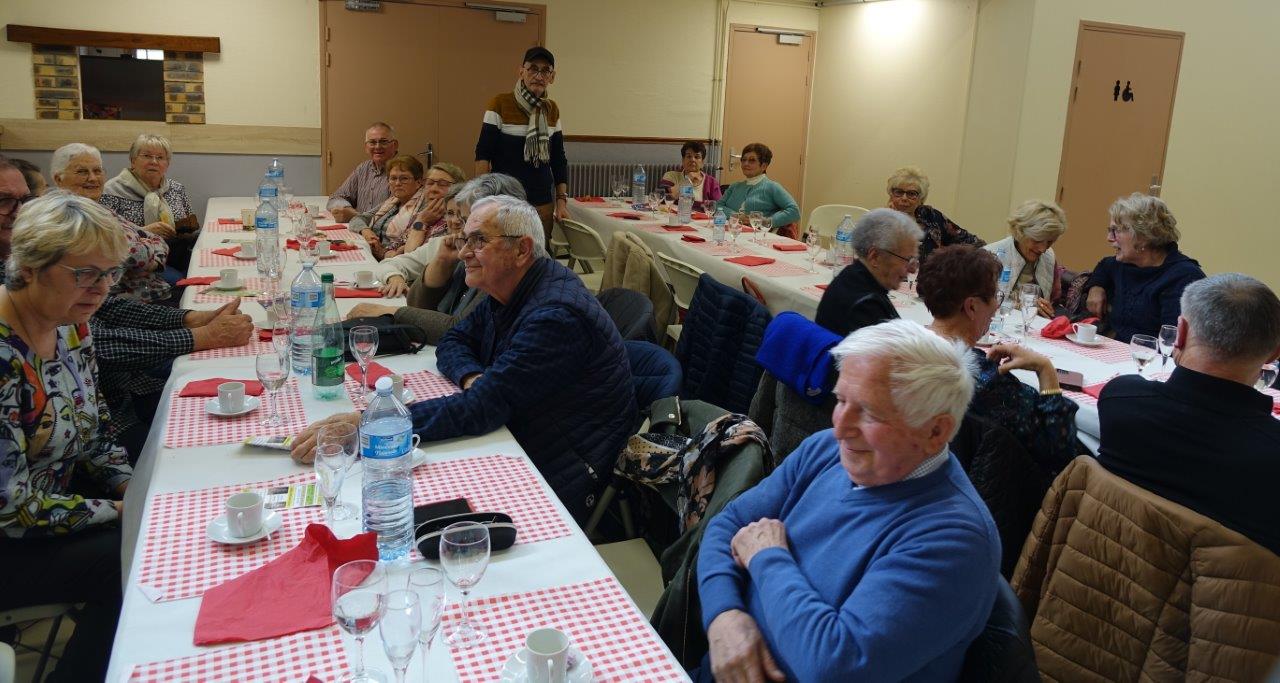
418 225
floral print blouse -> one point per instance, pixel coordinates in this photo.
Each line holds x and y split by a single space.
1044 425
144 266
55 419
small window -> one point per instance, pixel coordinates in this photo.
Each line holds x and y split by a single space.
122 84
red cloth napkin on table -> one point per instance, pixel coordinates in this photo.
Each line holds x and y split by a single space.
625 214
787 246
286 595
228 251
750 260
376 372
201 280
693 238
1095 390
822 287
229 221
349 293
700 216
209 387
264 334
679 228
1060 327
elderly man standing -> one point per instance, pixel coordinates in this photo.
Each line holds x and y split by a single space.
521 137
539 355
366 188
1206 439
867 555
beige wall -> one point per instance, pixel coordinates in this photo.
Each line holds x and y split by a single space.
890 87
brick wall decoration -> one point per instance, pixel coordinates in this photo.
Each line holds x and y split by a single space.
56 71
183 87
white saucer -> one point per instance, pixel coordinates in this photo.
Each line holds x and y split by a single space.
251 404
406 396
376 284
514 670
217 529
222 287
242 257
1071 337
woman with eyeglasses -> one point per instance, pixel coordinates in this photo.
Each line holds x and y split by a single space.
886 243
760 193
908 187
706 189
77 168
1140 288
144 194
60 539
399 223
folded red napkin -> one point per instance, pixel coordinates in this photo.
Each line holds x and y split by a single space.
788 246
201 280
376 372
334 226
349 293
228 251
750 260
1060 327
1095 390
679 228
264 334
625 214
287 595
209 387
1276 409
693 238
228 221
822 287
700 216
591 200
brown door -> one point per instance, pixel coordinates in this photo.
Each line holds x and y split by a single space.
426 69
767 100
1121 103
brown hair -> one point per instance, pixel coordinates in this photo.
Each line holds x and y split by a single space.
953 274
406 162
694 146
765 154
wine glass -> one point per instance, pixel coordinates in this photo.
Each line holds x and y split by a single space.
735 229
364 344
1168 335
273 370
814 241
344 435
400 628
280 317
1145 348
464 554
1028 298
1267 376
766 229
359 601
756 218
428 583
619 188
330 465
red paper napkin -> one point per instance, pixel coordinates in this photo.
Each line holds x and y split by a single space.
201 280
1060 327
287 595
349 293
376 372
228 251
591 200
679 228
229 221
209 387
693 238
750 260
1095 390
264 334
787 246
625 214
700 216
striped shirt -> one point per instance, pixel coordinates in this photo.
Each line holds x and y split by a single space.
365 189
501 144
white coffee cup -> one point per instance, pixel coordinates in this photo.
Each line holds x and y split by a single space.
249 250
246 217
547 650
364 279
323 248
229 278
231 397
673 219
313 210
1085 332
244 514
397 386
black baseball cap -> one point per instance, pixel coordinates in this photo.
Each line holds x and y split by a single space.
539 52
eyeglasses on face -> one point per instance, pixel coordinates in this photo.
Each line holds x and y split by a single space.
900 193
477 241
90 277
543 72
380 142
395 179
10 204
913 262
158 158
83 172
439 183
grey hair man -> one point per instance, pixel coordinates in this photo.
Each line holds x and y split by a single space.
366 188
1206 438
538 355
919 552
887 243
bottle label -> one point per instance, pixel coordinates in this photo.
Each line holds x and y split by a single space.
301 298
327 366
385 447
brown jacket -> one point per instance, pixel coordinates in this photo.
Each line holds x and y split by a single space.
630 264
1127 586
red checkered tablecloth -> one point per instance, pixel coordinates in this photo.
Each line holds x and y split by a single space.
180 561
710 247
292 658
208 259
253 348
1109 351
208 294
191 425
212 225
424 384
495 483
348 256
597 616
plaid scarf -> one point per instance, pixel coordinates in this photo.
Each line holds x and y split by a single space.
537 141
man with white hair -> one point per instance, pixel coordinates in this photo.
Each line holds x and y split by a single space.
867 555
539 355
1206 439
366 188
887 243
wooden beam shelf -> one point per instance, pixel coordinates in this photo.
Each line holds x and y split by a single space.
40 35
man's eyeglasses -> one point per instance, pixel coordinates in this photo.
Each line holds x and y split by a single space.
380 142
909 194
538 71
914 261
477 241
10 204
90 276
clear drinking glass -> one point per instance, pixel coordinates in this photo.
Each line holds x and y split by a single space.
756 218
346 436
359 601
1144 348
464 554
400 628
273 370
1267 376
735 229
619 188
766 229
1168 335
330 466
814 241
1028 298
428 583
364 344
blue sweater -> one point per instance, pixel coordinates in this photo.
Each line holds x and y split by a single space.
767 197
879 584
1143 299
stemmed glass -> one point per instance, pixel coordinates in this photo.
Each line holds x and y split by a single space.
359 601
1145 348
364 344
400 628
1028 296
330 466
345 436
619 188
814 241
655 200
1168 336
735 229
756 218
766 229
428 583
281 316
464 554
1267 376
273 370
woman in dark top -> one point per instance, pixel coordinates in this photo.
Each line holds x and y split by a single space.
1140 288
958 286
885 243
908 187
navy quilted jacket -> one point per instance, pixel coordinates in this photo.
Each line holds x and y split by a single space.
717 347
555 373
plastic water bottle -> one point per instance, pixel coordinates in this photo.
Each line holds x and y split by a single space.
327 344
638 182
685 204
843 256
305 302
386 444
267 230
717 226
1006 273
275 174
1004 291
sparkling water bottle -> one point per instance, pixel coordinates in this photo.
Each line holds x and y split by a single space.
305 301
327 344
843 256
684 205
266 222
638 182
386 444
717 226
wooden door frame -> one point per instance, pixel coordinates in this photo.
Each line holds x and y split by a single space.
808 103
538 9
1075 75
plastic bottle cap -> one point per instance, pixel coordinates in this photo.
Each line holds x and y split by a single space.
383 385
326 278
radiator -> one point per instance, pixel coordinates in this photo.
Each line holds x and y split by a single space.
595 178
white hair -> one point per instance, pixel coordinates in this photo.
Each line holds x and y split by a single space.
883 229
928 375
150 140
515 218
63 155
488 185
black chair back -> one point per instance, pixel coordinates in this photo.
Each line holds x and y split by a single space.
632 312
1002 653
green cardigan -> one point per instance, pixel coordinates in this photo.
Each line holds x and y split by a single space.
766 197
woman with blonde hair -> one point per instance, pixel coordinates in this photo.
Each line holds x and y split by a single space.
908 187
1028 250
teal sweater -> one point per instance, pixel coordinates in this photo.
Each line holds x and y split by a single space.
767 197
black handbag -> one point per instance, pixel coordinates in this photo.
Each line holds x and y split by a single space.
393 337
502 531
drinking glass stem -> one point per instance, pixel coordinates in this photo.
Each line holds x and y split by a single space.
275 406
359 655
466 611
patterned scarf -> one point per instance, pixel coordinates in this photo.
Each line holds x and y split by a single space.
537 139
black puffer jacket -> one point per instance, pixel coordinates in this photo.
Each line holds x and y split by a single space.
718 345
